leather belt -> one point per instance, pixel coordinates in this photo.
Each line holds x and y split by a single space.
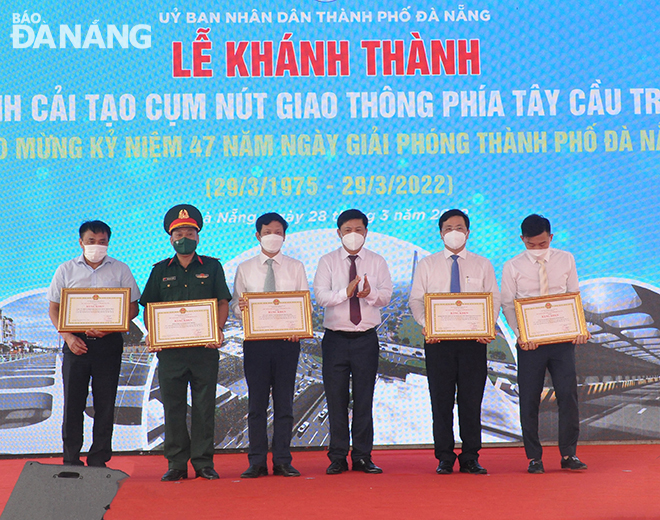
352 334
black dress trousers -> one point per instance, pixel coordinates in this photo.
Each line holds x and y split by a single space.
456 372
559 359
101 364
179 369
346 356
270 365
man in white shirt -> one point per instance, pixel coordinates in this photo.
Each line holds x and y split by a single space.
540 271
455 367
269 364
352 284
94 354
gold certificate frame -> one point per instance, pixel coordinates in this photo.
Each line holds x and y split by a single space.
103 309
189 323
550 319
277 315
459 316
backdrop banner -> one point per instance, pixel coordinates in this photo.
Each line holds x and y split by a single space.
118 111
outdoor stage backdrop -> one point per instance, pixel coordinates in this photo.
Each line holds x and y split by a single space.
119 110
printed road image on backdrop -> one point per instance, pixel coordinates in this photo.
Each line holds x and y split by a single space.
310 108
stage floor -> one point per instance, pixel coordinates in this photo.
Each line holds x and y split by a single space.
622 482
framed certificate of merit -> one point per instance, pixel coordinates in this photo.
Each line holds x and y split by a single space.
95 308
459 316
190 323
550 319
277 315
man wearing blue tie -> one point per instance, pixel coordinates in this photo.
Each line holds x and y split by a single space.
455 367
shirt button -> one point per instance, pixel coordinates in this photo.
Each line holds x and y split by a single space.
186 285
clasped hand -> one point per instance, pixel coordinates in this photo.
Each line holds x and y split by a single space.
581 339
485 341
221 338
352 288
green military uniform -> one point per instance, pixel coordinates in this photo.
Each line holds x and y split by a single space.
203 278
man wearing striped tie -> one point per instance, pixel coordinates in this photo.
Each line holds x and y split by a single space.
539 271
269 364
456 369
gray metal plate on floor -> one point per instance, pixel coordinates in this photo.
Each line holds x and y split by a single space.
56 492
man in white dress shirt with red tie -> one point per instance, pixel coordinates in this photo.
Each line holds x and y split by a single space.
540 271
456 369
269 364
352 284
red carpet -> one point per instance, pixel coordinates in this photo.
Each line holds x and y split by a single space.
623 482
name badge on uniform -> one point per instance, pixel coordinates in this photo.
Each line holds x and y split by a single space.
169 278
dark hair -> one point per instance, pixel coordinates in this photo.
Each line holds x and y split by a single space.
534 225
95 226
453 213
267 218
351 214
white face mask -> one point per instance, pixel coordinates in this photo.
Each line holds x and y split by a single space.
353 241
537 254
454 239
272 243
95 253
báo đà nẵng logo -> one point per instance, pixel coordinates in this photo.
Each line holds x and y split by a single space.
32 31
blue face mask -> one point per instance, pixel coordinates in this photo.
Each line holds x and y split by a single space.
185 246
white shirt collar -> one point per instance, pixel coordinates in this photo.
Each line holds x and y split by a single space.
81 260
462 254
277 258
345 254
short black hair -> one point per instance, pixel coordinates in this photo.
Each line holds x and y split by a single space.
453 213
351 214
534 225
95 226
267 218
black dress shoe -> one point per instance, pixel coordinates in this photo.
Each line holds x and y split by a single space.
572 463
535 466
337 467
255 471
208 473
174 474
366 466
472 466
445 467
285 470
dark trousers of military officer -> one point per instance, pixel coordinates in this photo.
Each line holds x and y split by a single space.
101 364
178 368
270 365
559 359
456 372
349 355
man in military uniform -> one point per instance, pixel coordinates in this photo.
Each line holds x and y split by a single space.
188 276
